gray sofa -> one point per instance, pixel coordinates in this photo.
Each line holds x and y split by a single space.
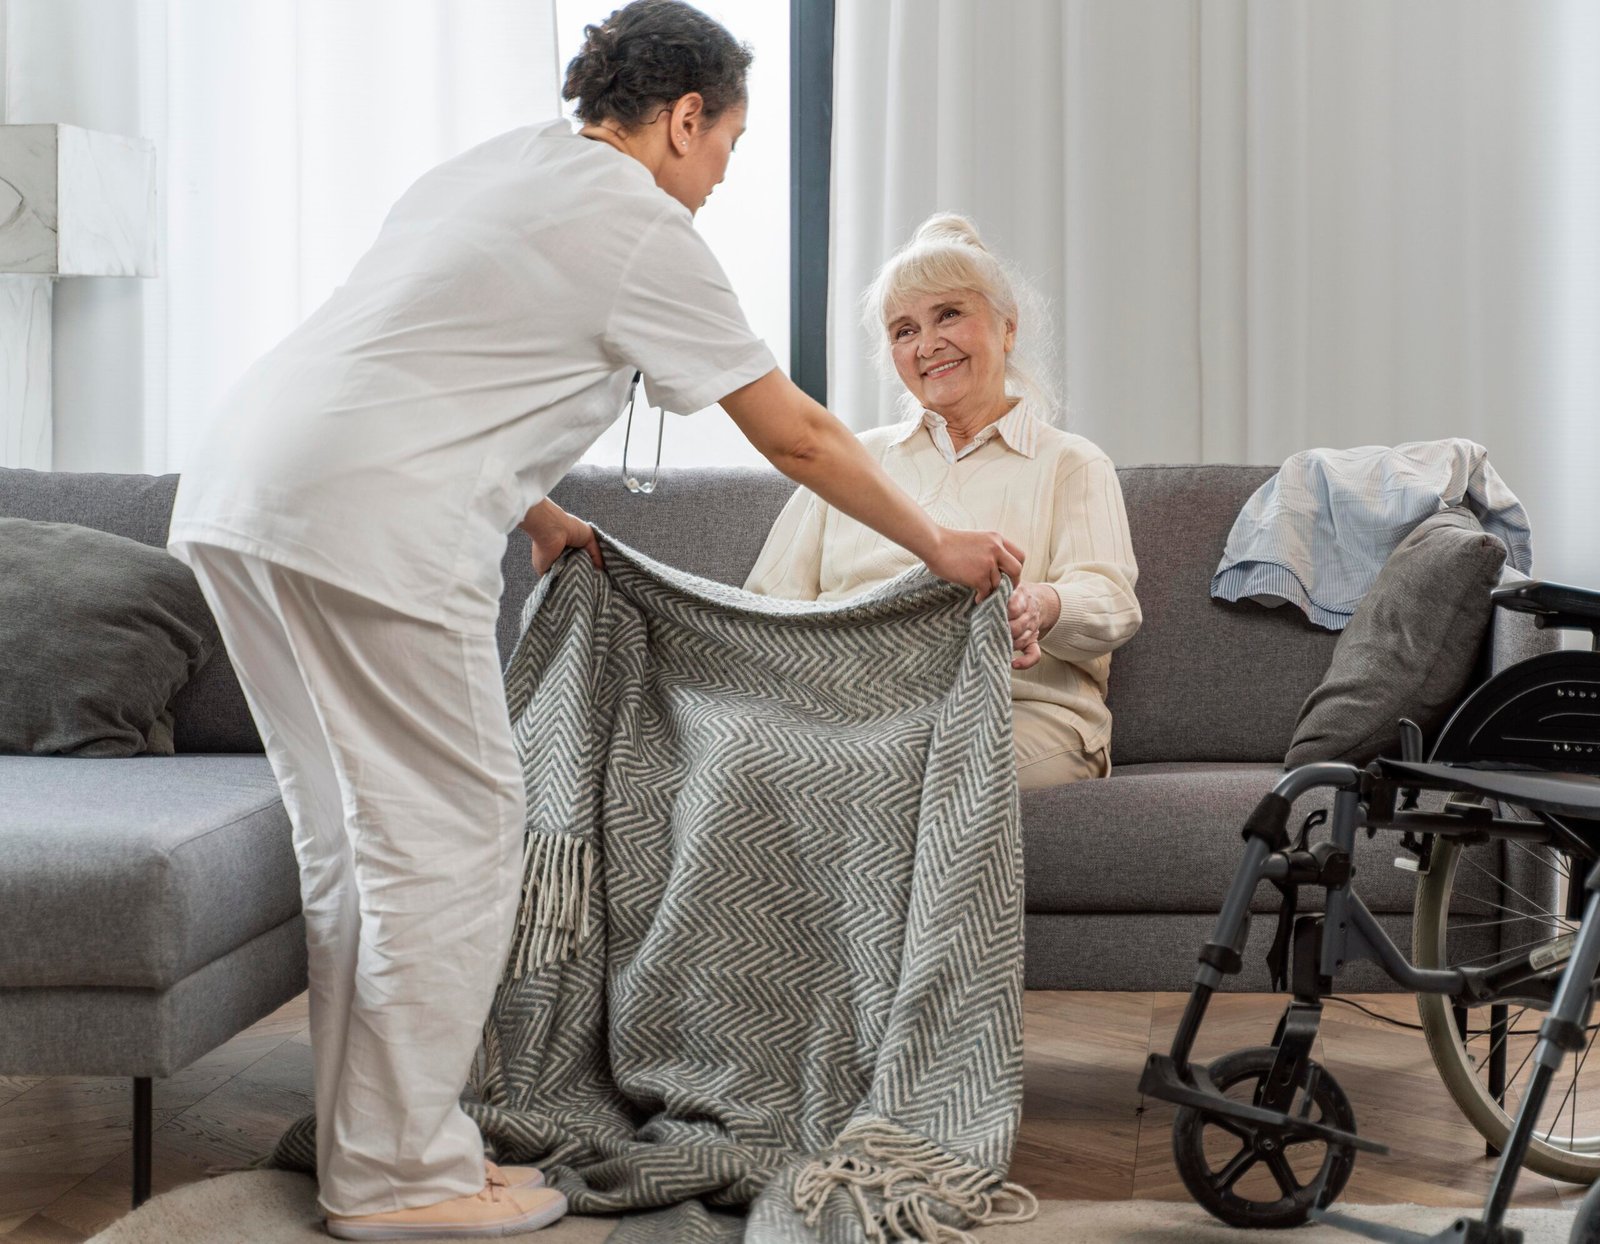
149 908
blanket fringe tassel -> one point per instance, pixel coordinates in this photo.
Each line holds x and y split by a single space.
912 1176
556 874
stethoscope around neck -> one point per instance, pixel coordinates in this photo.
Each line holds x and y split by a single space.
629 480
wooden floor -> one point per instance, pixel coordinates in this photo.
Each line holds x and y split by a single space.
65 1152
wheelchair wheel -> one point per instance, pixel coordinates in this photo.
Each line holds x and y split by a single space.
1241 1176
1586 1226
1469 908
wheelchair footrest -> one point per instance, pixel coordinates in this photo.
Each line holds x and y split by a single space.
1461 1231
1162 1080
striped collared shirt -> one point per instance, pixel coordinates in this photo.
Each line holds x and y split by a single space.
1017 427
1318 532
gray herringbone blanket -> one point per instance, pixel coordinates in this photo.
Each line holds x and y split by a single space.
767 980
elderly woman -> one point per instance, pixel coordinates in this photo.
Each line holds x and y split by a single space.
981 451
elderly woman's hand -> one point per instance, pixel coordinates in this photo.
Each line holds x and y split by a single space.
1033 608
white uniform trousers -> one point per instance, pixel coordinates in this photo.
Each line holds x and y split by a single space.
390 739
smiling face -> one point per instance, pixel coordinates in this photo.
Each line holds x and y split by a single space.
950 351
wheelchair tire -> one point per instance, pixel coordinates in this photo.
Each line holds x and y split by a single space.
1586 1226
1577 1161
1217 1191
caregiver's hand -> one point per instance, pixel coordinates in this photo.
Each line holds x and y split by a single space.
553 531
811 447
1033 609
976 559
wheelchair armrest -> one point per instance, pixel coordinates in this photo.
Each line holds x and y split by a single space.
1560 604
1515 633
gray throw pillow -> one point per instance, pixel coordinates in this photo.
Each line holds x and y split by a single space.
1411 645
97 633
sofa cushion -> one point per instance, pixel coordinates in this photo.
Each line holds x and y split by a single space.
137 872
97 633
151 1032
1411 646
1165 838
209 714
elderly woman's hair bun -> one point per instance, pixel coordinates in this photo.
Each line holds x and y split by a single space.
946 253
948 227
648 55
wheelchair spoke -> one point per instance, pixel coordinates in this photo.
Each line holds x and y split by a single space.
1571 1092
1560 926
1471 917
1501 881
1230 1174
1464 926
1572 1137
1564 870
1510 1030
1501 953
1513 915
1283 1173
1512 1081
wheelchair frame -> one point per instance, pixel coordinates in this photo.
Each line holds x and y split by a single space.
1498 726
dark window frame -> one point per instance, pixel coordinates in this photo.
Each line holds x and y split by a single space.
810 178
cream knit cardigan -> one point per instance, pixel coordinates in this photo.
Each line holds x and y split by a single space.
1052 492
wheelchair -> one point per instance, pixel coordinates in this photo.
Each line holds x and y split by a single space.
1501 824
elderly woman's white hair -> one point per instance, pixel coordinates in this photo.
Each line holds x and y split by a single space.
946 254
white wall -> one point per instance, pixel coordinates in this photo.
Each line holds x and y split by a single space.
1566 457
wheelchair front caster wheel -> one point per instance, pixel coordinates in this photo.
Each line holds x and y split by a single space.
1239 1172
1586 1226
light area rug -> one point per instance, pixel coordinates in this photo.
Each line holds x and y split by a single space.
279 1207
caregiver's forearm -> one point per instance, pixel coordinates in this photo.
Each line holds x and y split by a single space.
811 447
840 471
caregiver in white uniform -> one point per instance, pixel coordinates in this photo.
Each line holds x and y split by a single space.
346 514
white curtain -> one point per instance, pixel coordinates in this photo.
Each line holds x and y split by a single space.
1262 225
284 131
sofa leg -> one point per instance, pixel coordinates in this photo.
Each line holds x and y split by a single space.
141 1140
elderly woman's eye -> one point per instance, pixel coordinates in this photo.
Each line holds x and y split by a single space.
949 311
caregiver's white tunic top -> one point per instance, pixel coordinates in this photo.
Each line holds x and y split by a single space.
476 351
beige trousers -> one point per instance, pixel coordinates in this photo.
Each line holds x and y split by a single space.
390 739
1050 753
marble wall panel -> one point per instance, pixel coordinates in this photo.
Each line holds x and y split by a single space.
29 169
76 202
107 204
25 358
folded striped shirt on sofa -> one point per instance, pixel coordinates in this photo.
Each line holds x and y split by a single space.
1317 534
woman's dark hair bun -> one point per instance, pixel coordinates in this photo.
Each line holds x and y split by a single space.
649 54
